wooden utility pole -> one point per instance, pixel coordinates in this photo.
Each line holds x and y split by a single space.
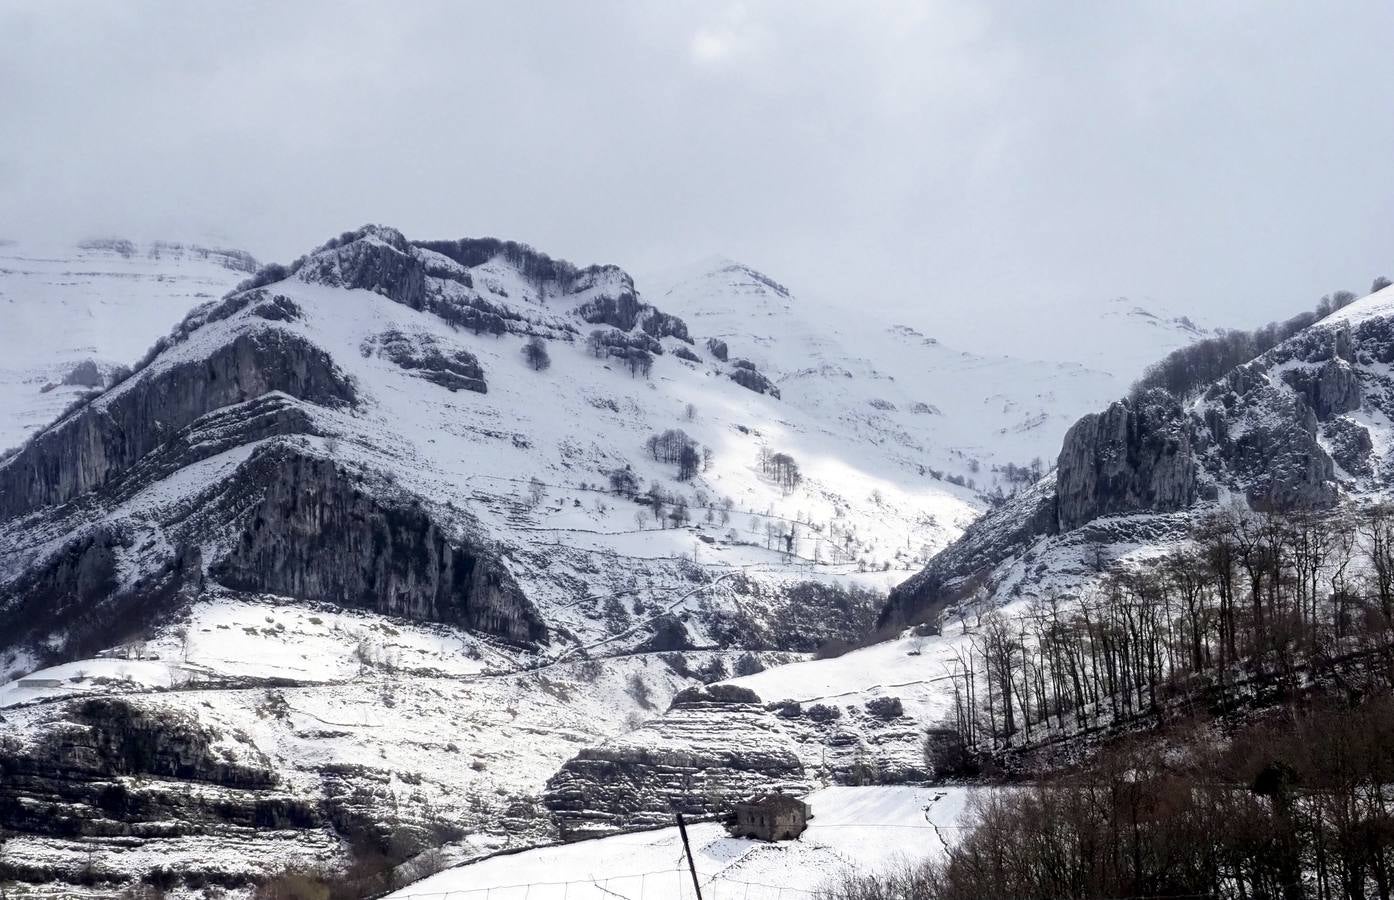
687 849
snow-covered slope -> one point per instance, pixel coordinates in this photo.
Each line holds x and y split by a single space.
1117 335
100 300
852 829
1304 426
474 456
349 728
965 411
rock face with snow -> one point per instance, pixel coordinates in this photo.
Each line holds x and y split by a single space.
103 439
450 368
314 533
288 437
1134 456
1290 429
86 750
713 747
75 314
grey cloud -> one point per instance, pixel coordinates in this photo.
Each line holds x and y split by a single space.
1232 159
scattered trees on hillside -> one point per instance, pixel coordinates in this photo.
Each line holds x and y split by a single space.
782 467
676 447
535 352
1016 475
624 482
639 362
667 446
1253 602
688 461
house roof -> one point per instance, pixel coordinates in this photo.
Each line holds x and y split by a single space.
766 801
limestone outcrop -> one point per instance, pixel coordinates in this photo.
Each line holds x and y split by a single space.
714 746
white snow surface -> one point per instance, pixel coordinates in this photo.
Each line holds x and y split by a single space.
834 358
861 828
105 301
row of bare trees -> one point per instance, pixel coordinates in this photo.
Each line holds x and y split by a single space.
1189 369
1297 807
1250 602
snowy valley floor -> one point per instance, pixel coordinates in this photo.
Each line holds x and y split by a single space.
866 828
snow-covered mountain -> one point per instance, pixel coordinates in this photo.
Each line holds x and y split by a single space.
99 301
1303 430
1303 425
951 409
343 554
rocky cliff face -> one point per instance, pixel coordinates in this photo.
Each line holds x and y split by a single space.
960 571
1134 456
76 603
1290 429
425 356
93 445
318 533
384 264
744 373
714 746
108 773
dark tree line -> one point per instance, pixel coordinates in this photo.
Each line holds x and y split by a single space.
1185 370
1250 602
602 344
1294 808
1285 618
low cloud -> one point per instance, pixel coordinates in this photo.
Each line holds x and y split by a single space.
1231 159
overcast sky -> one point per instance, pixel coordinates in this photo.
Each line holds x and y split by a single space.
1232 159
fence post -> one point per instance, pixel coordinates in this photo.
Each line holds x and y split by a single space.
687 849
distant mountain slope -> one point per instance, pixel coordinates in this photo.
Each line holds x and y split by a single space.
1115 335
966 412
1305 427
103 301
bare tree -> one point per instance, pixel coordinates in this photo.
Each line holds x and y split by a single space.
535 353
